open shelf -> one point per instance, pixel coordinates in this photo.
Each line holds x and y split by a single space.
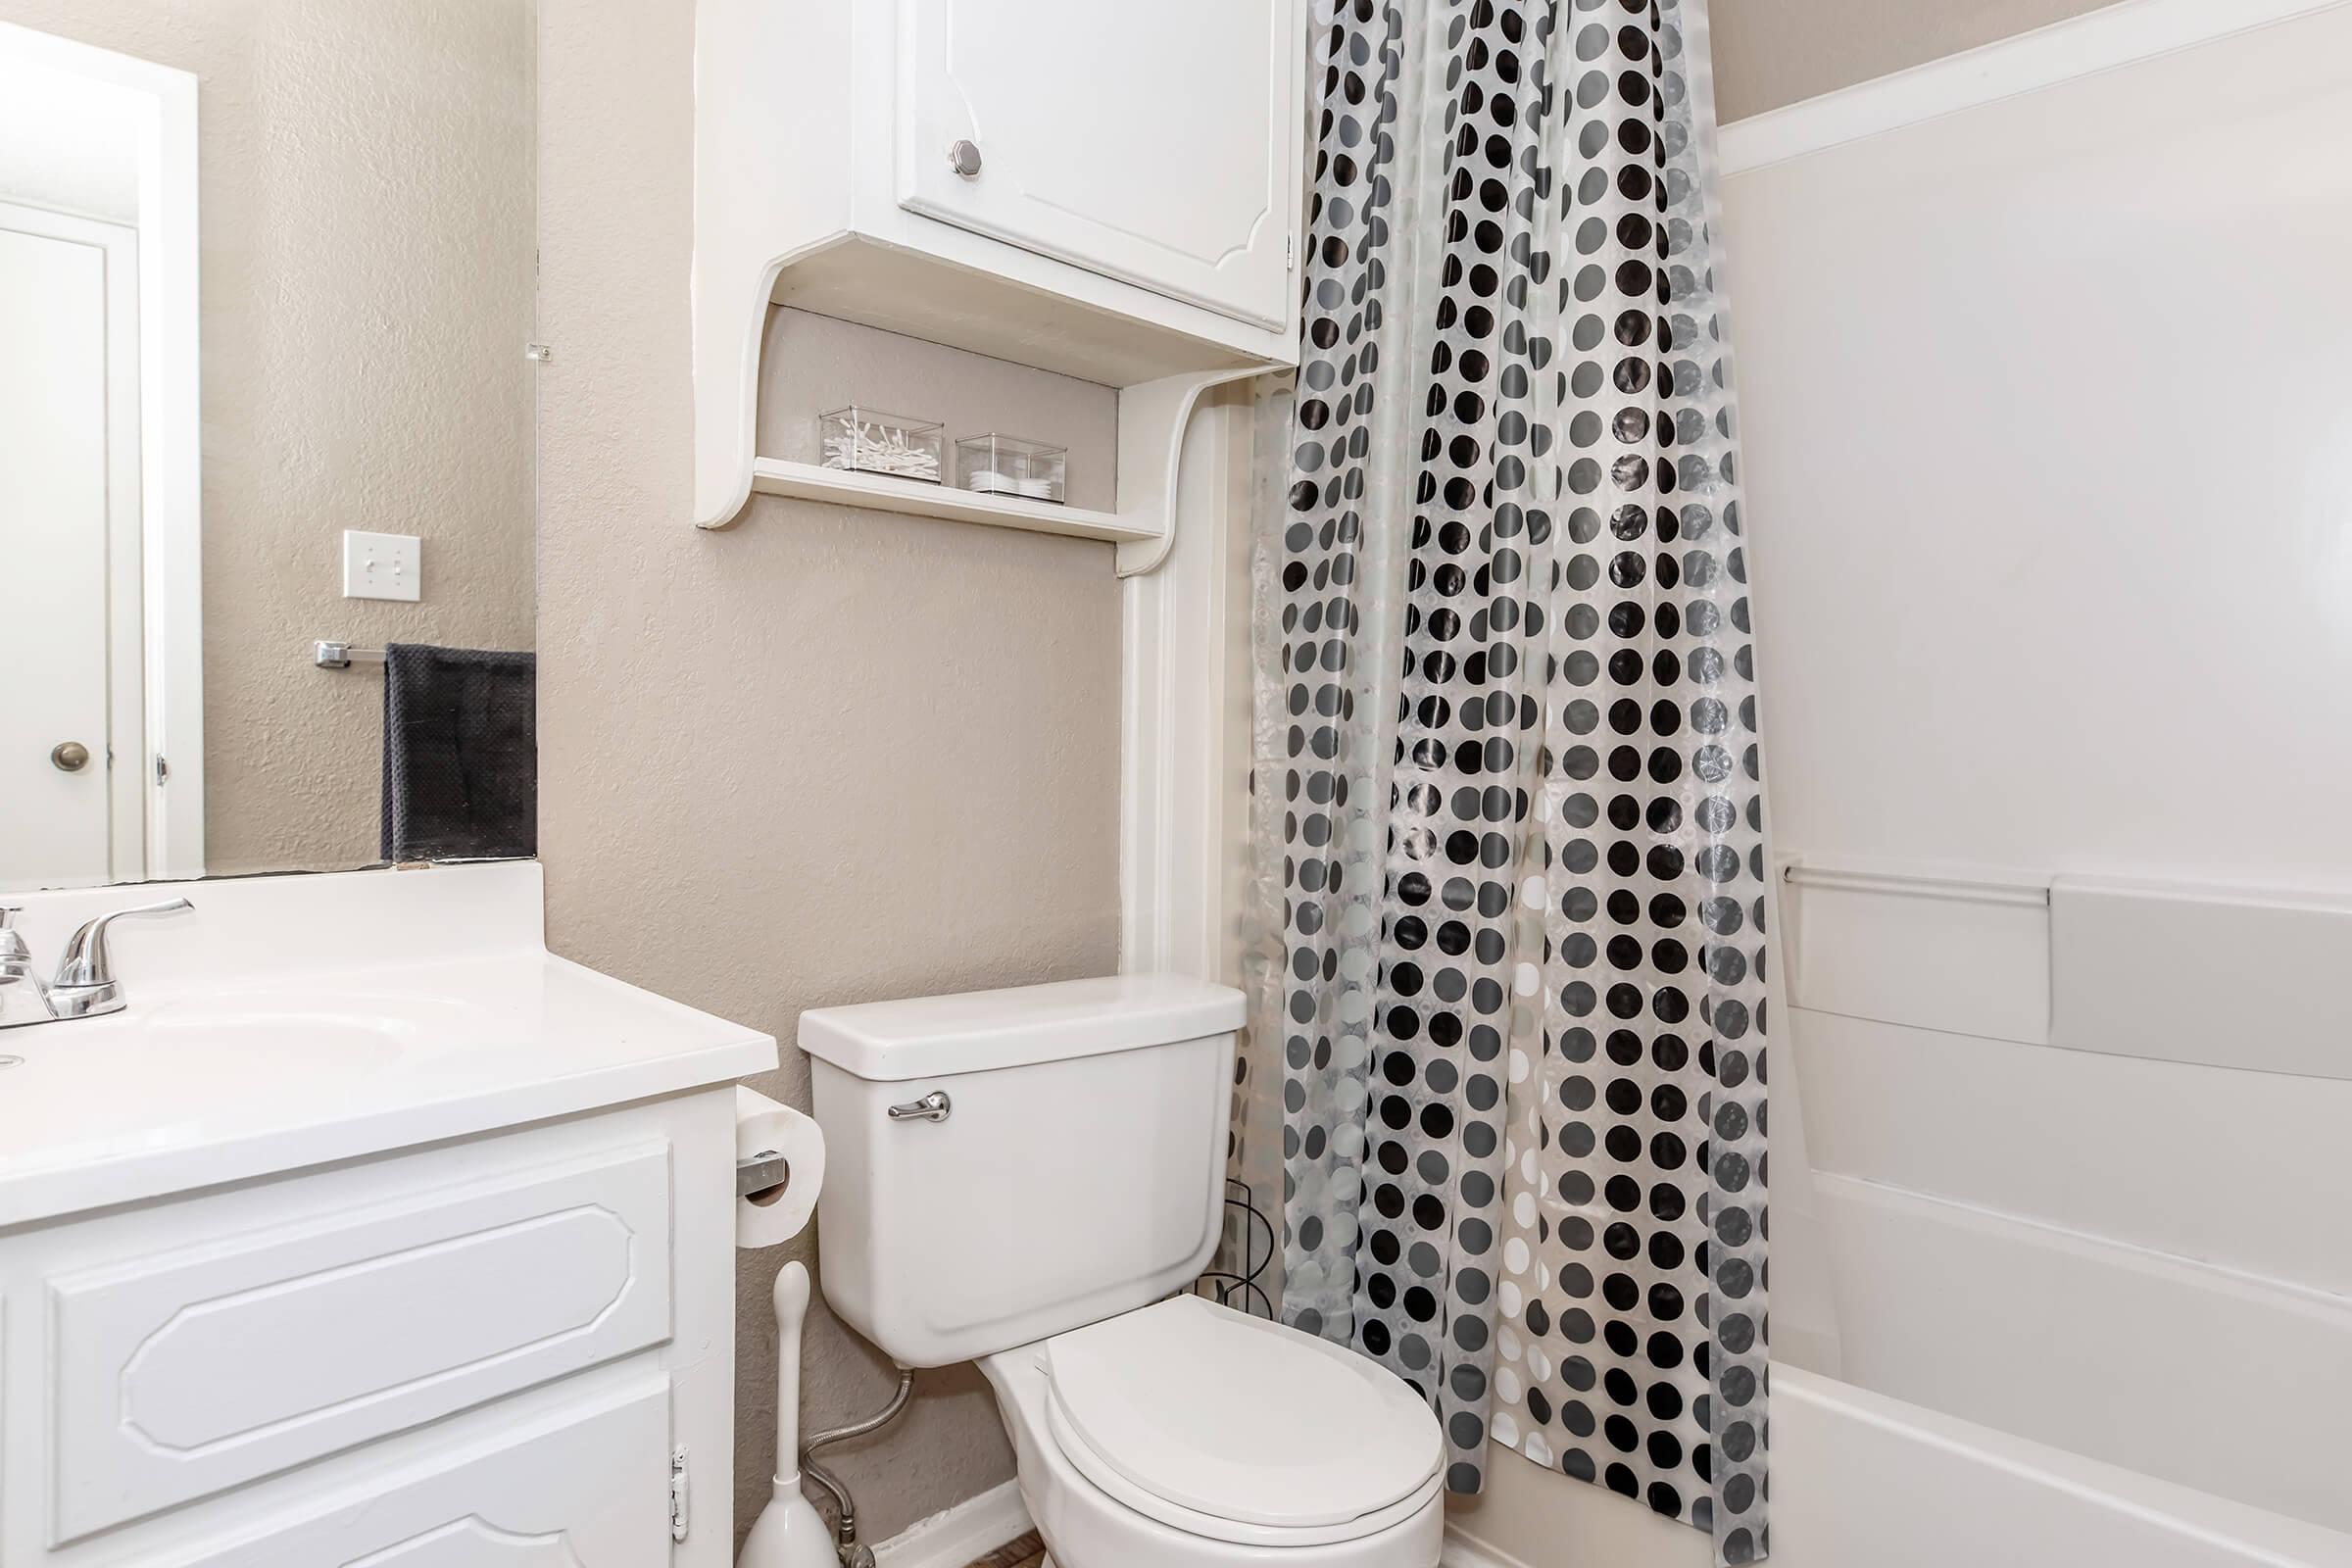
806 481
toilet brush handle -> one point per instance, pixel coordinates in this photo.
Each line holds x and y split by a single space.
792 1314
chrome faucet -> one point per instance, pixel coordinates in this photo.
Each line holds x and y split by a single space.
85 986
24 995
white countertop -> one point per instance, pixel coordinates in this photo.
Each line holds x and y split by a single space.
294 1020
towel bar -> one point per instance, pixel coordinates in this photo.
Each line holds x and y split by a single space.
342 655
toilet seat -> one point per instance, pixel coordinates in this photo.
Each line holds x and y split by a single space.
1239 1430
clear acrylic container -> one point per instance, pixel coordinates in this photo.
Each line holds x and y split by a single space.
869 441
1008 465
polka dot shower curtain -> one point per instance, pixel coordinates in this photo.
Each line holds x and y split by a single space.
1507 946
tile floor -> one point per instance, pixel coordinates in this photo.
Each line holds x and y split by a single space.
1027 1552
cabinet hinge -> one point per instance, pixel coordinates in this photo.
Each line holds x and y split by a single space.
1290 251
677 1493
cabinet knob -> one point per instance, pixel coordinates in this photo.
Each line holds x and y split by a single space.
964 158
70 756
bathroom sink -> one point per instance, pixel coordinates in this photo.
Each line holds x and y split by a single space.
182 1055
197 1086
341 1024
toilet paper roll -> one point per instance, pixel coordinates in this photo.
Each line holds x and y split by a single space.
762 1126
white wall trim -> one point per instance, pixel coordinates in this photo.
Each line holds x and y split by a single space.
956 1537
979 1524
1175 748
1460 1551
2080 46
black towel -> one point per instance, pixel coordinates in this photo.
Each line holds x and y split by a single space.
460 754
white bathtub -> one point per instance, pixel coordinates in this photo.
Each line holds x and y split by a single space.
2036 1309
1864 1481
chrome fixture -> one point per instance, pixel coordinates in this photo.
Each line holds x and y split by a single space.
964 158
24 995
852 1552
933 1107
762 1172
85 986
329 654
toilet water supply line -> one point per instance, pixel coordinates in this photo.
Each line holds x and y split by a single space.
847 1546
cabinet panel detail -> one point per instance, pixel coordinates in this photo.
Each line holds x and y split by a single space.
183 1372
587 1489
1178 181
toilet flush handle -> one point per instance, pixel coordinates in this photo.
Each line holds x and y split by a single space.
933 1107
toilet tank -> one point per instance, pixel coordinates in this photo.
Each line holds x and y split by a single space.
1079 1171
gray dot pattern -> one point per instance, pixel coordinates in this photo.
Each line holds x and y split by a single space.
1508 756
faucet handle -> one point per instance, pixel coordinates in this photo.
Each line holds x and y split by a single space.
12 941
88 964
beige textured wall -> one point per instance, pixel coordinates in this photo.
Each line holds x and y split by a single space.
825 755
366 189
1773 52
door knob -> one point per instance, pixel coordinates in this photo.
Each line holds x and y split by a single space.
964 158
70 756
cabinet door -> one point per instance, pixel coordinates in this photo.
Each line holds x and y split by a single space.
1155 143
587 1488
178 1372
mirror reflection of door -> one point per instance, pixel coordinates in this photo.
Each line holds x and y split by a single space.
71 736
100 619
209 428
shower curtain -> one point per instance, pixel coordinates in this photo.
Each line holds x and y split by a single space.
1507 936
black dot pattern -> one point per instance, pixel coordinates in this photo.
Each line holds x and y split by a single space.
1508 754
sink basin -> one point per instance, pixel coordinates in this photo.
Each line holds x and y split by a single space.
190 1049
340 1023
309 1020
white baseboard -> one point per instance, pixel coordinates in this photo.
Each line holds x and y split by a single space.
972 1529
980 1525
1462 1553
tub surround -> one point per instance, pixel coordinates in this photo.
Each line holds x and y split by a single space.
1769 55
1865 1481
2058 1070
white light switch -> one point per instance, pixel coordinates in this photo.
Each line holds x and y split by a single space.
382 566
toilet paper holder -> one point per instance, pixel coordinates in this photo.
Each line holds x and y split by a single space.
756 1173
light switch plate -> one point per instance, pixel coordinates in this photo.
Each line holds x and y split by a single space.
382 566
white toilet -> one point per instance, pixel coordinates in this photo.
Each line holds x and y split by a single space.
1022 1178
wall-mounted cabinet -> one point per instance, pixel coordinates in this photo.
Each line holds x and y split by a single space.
1103 191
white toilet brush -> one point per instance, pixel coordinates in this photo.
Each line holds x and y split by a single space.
789 1533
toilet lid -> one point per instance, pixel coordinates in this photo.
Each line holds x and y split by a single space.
1237 1418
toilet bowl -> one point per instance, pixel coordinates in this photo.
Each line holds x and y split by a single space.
1188 1436
1027 1178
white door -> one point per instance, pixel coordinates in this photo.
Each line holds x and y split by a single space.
1154 143
69 634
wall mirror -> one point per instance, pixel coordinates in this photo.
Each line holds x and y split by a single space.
266 411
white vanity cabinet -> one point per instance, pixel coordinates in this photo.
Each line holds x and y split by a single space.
424 1264
1106 190
475 1354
